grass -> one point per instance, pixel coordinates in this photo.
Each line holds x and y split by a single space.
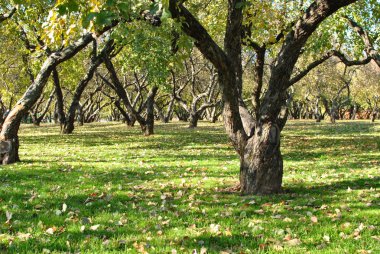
107 189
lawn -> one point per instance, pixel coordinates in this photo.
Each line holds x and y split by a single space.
108 189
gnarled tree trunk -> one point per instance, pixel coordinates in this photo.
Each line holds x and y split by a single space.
261 166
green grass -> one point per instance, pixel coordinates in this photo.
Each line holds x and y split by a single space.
166 192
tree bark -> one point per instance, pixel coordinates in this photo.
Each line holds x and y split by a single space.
368 42
130 121
6 16
193 120
262 166
149 120
59 97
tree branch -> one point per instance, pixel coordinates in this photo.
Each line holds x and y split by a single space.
369 48
9 15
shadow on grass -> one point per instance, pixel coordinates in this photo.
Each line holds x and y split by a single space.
180 161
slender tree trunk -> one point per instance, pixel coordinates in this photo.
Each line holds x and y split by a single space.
38 119
68 128
60 104
149 121
374 115
80 117
117 86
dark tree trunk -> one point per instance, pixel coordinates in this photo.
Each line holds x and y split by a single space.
127 118
374 115
38 119
80 117
256 141
149 121
193 120
354 112
60 104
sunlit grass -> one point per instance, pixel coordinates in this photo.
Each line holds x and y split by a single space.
165 193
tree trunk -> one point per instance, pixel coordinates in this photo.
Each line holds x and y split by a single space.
193 120
60 104
259 146
9 132
80 117
68 128
117 86
149 121
374 115
261 167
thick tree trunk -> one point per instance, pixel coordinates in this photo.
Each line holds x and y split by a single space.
259 152
9 132
261 167
193 120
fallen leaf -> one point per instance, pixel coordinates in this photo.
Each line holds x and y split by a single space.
94 227
51 231
64 207
9 216
294 242
23 237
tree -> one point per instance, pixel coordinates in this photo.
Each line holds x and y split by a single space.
39 114
95 17
201 83
9 132
147 123
256 139
95 62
